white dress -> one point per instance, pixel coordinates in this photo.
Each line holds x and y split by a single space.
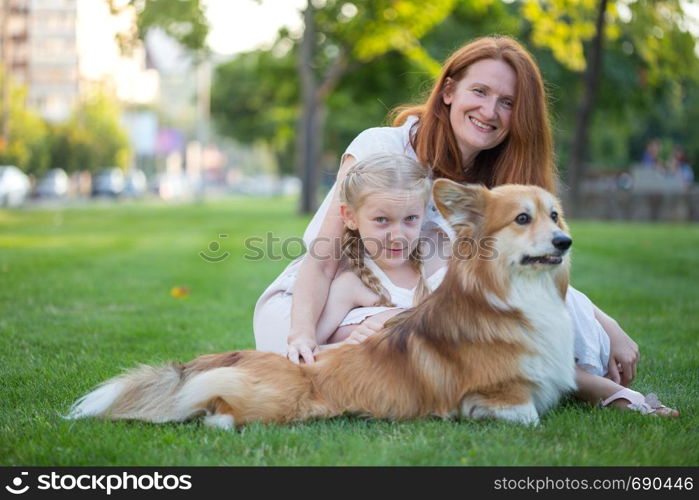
401 297
271 320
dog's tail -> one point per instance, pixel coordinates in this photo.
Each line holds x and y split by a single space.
250 384
149 393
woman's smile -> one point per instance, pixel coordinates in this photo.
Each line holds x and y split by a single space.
480 126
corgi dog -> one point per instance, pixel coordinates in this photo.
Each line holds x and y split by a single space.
494 340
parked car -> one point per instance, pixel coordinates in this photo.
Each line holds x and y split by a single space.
136 183
108 182
14 186
54 184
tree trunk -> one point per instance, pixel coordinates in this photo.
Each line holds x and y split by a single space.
309 135
309 145
576 164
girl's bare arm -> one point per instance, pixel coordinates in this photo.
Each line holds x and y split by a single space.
346 292
313 281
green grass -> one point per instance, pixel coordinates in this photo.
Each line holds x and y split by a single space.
85 293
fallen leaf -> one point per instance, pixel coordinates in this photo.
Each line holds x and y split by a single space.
180 292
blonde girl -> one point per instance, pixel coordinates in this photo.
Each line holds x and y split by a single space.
382 271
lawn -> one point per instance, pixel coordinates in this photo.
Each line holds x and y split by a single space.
86 292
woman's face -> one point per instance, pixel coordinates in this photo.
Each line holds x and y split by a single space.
481 106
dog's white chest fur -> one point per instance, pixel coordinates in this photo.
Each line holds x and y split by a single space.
551 365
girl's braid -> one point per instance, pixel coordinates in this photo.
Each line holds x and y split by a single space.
417 261
353 251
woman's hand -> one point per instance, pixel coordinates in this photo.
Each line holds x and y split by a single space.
365 329
623 351
302 348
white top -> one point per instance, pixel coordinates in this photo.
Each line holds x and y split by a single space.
403 297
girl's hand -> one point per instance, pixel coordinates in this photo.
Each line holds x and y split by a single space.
303 348
623 355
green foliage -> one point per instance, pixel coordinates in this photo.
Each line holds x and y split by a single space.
658 39
365 96
183 20
367 29
93 138
371 29
650 73
471 19
565 25
27 143
254 98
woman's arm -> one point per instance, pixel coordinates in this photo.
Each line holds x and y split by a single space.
623 352
313 281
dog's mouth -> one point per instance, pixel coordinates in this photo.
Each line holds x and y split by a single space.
548 260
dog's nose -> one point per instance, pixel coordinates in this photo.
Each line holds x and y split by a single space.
562 242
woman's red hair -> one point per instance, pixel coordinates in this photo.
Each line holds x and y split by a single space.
526 154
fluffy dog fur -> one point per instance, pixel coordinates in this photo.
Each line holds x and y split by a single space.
494 340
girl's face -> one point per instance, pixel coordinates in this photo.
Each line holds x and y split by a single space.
481 106
389 225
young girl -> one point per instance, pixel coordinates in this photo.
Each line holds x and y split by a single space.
383 202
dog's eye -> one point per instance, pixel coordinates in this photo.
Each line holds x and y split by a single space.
523 219
554 216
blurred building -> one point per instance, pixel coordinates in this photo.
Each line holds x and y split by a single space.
53 76
14 36
61 49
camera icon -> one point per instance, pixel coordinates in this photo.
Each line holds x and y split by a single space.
214 247
17 483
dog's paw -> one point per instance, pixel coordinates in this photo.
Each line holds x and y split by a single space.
522 414
220 421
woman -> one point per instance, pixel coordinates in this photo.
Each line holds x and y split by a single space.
485 121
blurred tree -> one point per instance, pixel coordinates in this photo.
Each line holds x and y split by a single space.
654 30
92 138
254 98
26 145
183 20
645 92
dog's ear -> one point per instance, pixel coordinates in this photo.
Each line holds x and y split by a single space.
462 205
